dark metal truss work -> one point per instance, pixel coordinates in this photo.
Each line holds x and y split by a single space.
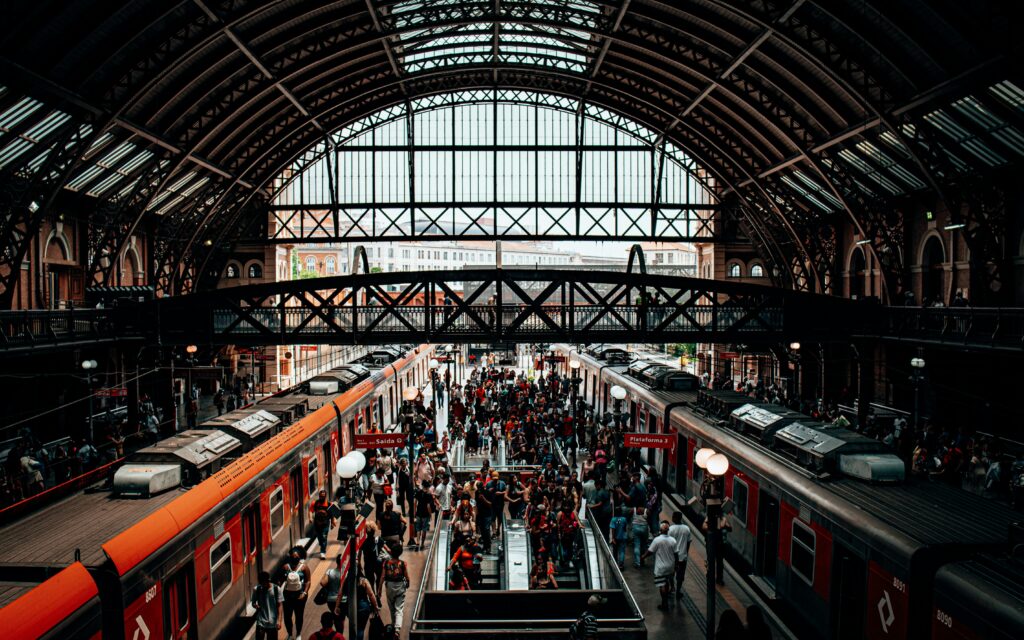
178 117
551 221
501 305
400 174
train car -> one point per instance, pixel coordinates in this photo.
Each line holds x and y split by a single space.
64 605
979 599
822 521
180 563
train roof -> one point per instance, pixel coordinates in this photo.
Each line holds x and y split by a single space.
47 605
81 521
990 589
133 545
926 513
931 512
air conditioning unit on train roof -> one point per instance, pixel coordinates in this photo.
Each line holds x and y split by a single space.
611 353
196 453
761 421
661 376
338 379
826 449
252 426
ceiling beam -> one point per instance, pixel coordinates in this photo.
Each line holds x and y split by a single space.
256 62
386 42
734 64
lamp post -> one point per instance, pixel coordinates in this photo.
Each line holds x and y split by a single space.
574 383
88 366
348 469
434 364
917 377
618 395
712 492
448 354
794 350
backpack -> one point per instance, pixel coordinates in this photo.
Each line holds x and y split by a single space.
393 571
320 515
579 630
293 580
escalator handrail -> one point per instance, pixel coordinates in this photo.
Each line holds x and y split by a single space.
602 546
427 568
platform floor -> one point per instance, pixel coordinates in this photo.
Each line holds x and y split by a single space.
686 618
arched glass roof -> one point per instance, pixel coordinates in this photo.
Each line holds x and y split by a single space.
494 163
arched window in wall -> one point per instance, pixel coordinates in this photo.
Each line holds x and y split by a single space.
858 274
231 272
255 271
757 271
734 271
932 260
331 265
310 263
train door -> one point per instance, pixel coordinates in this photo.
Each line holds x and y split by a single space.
296 495
179 604
251 545
328 469
391 401
380 412
849 583
768 536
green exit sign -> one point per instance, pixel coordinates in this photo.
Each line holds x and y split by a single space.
929 216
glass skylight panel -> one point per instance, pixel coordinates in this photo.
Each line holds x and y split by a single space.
818 189
46 126
943 122
1011 95
84 178
18 112
13 151
998 128
889 164
869 171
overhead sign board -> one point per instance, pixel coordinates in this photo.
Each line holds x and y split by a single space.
381 440
650 440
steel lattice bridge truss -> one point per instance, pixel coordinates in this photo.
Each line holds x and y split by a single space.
501 305
514 221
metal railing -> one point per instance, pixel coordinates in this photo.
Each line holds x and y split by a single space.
40 327
514 319
983 326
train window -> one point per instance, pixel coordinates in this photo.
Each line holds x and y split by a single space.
220 567
802 551
276 512
314 477
740 492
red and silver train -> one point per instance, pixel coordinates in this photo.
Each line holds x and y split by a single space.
823 521
175 550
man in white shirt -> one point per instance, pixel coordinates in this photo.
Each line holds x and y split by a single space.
443 493
663 548
681 534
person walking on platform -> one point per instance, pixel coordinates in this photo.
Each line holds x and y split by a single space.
640 535
296 592
681 534
618 537
267 599
326 631
331 586
395 581
322 521
757 627
663 548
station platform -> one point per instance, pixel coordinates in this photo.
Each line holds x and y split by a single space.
686 617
